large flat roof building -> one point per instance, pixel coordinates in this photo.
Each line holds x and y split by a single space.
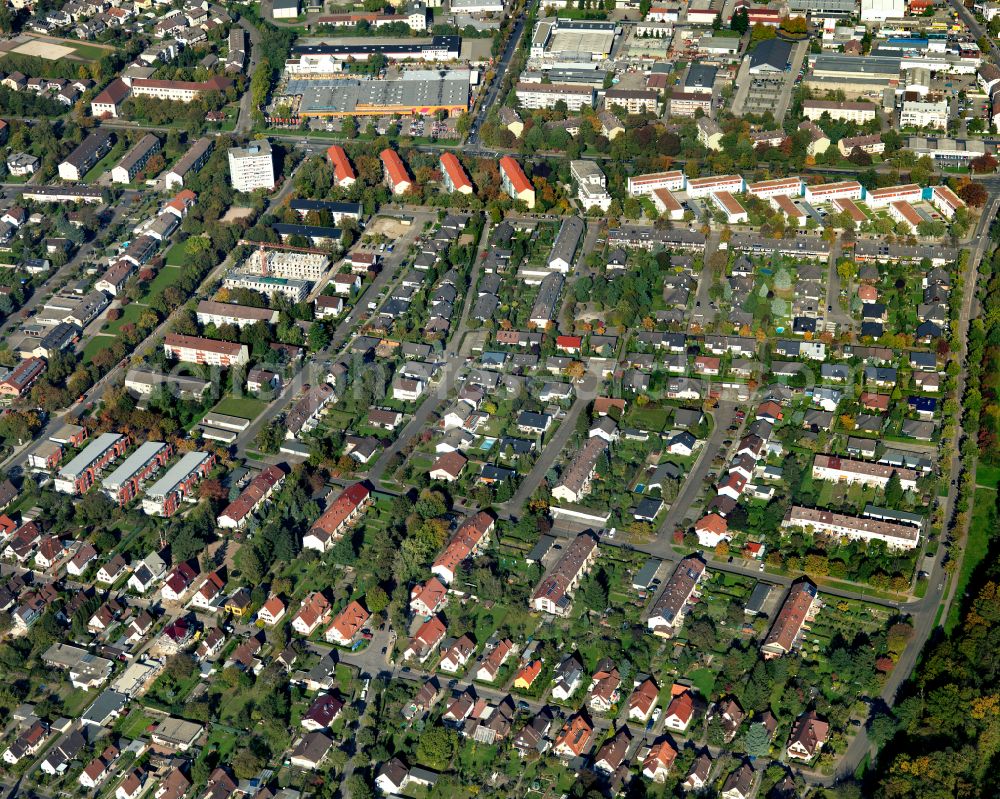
423 92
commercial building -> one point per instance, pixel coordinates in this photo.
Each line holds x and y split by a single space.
285 9
422 92
164 497
194 159
326 59
924 114
554 594
227 313
453 176
881 10
123 484
569 40
848 112
86 155
82 472
396 176
546 95
666 616
591 185
251 167
194 349
856 528
178 91
515 182
135 159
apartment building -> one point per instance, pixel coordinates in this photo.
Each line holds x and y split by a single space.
343 172
799 608
194 349
554 593
856 528
396 176
251 167
645 185
848 470
453 176
194 159
546 95
86 155
844 111
515 183
164 497
123 484
686 104
295 290
178 91
666 616
227 313
82 472
135 160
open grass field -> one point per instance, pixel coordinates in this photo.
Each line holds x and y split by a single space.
976 547
165 277
243 407
987 476
130 315
95 345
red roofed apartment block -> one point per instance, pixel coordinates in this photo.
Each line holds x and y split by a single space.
453 176
343 172
396 176
515 182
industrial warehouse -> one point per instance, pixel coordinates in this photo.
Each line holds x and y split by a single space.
414 92
324 58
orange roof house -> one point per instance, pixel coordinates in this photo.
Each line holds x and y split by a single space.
527 675
347 624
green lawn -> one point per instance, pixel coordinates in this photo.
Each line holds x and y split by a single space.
134 724
976 547
987 476
166 276
95 345
703 680
130 315
177 254
649 418
243 407
78 700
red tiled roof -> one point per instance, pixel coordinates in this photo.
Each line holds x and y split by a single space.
394 166
453 167
342 169
515 174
